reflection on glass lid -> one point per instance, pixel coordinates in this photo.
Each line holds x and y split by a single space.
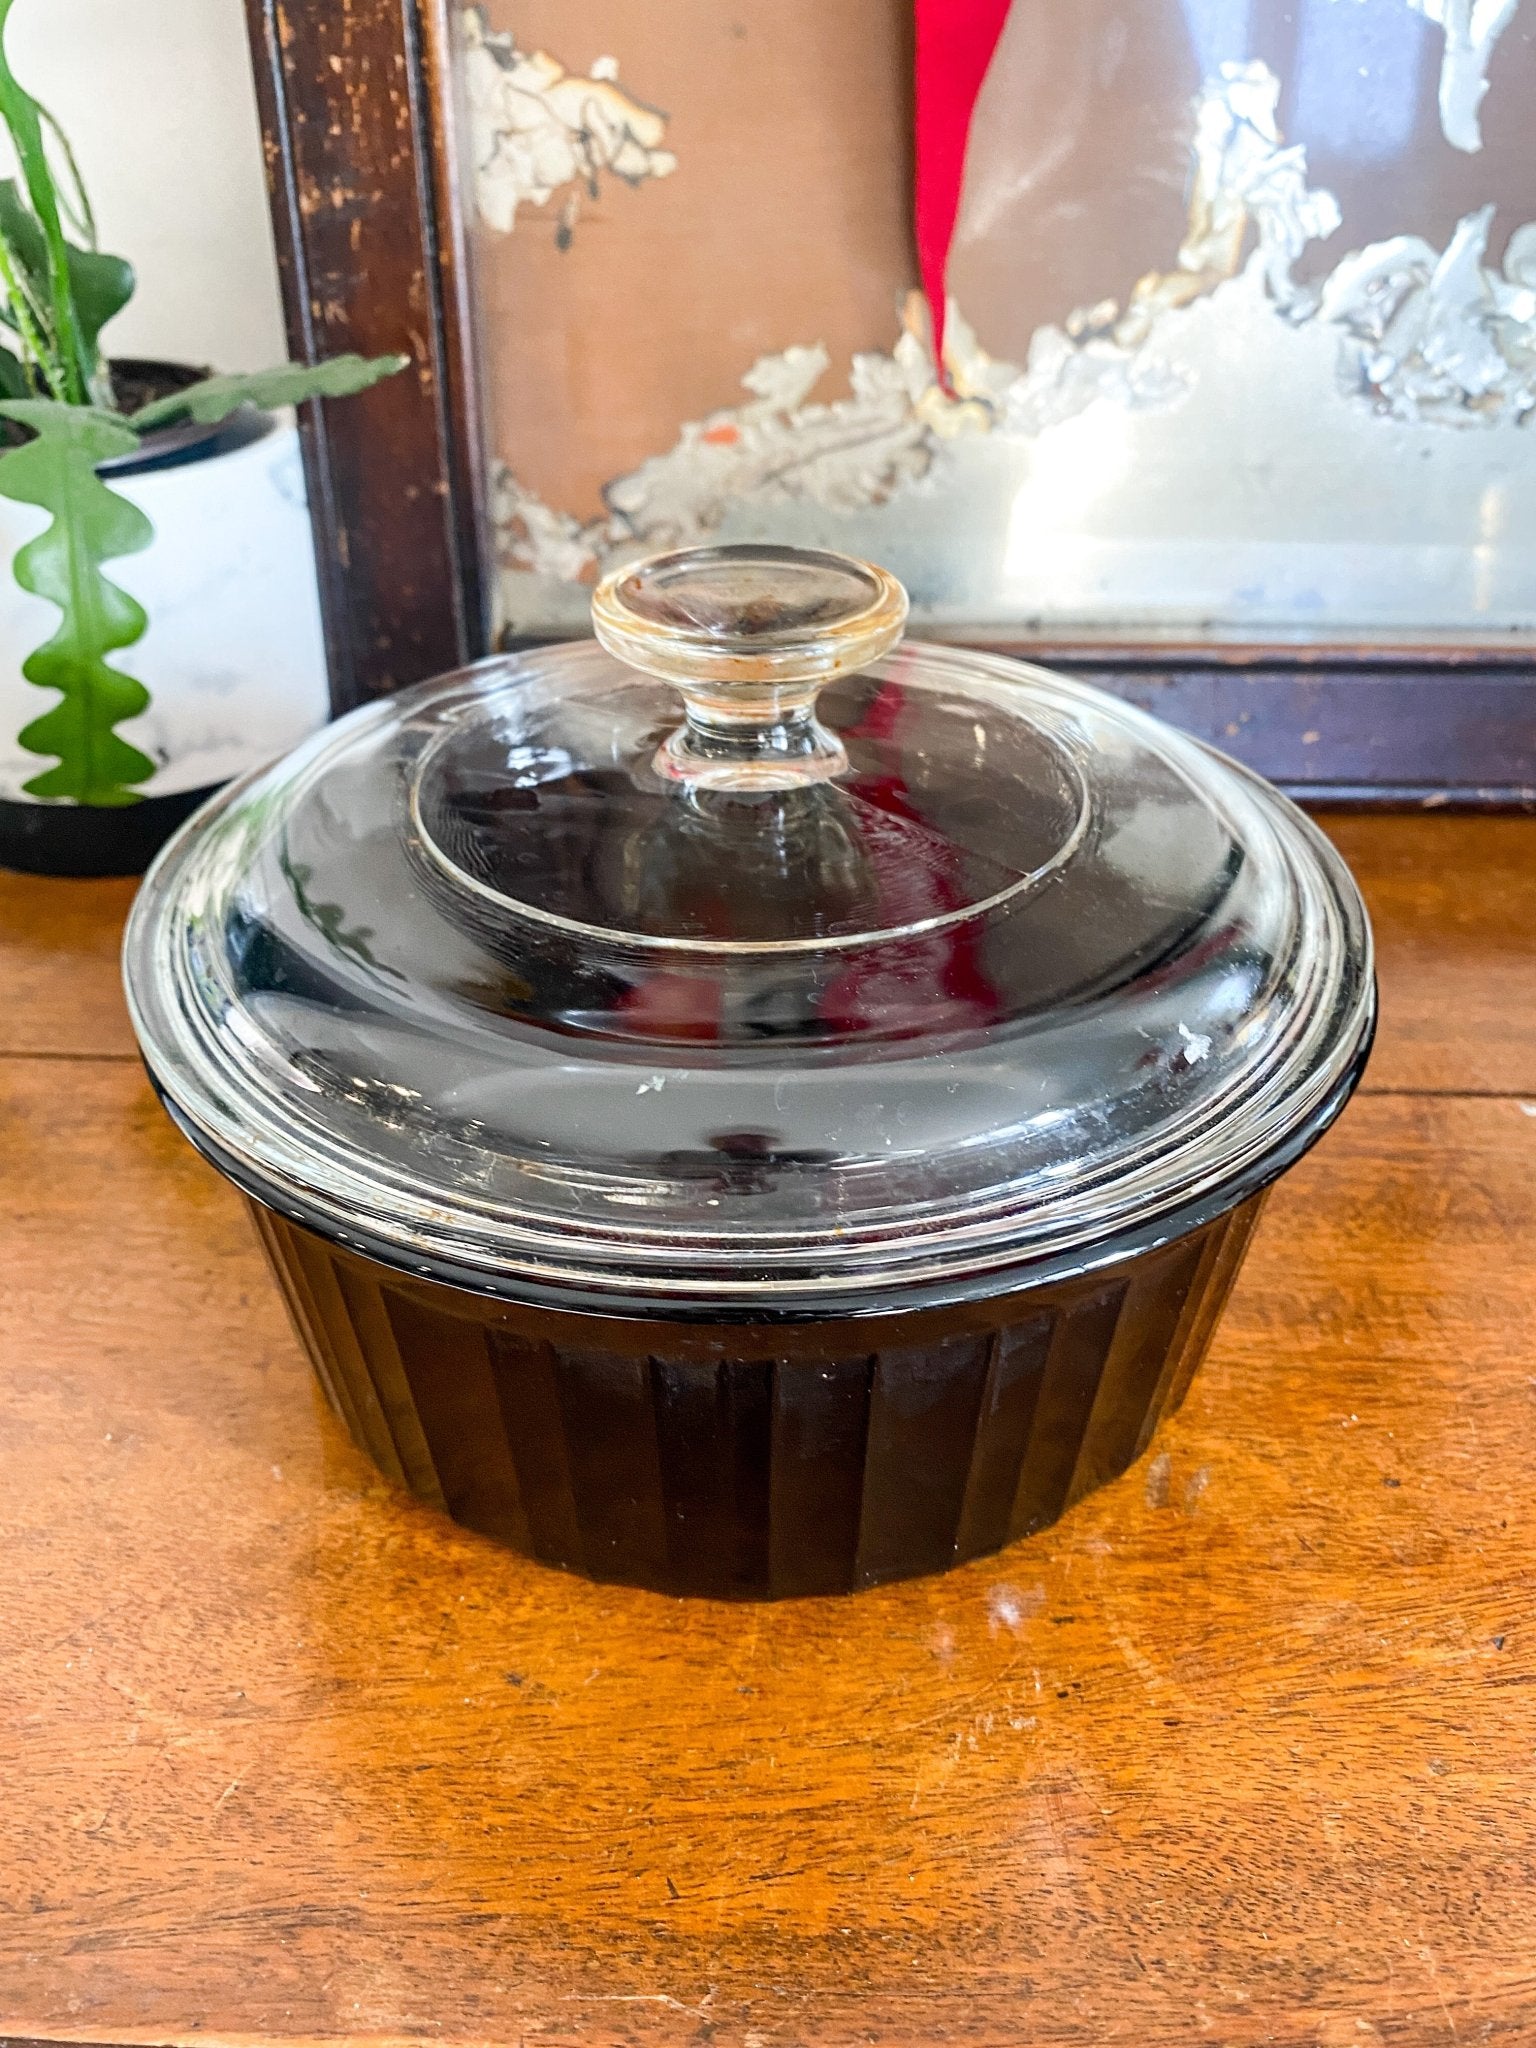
756 961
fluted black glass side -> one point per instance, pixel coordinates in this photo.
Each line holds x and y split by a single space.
750 1463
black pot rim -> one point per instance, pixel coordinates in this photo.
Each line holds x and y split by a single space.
186 441
997 1283
92 842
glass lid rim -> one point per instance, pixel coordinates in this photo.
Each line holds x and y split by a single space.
968 1269
185 1040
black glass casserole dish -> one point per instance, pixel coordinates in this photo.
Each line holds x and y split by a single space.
745 1106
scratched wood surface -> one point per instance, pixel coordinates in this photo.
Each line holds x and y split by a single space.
1243 1751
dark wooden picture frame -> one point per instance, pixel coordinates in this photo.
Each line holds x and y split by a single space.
357 114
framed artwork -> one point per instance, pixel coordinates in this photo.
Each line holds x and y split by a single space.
1187 343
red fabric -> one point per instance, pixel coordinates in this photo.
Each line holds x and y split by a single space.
955 40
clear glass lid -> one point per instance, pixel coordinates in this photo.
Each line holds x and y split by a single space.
748 959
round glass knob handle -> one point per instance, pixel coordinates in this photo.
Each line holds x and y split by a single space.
748 635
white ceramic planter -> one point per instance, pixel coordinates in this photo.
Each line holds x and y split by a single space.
233 657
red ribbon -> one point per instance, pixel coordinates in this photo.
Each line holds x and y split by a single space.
955 41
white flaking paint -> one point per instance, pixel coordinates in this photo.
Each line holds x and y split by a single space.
536 129
1436 334
851 453
1471 28
778 447
996 496
783 445
1243 177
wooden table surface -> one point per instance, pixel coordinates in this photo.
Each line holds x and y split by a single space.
1243 1751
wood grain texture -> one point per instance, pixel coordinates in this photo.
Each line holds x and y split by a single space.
60 988
1362 726
1241 1751
1453 905
1247 1740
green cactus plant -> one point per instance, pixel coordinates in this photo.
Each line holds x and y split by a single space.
57 292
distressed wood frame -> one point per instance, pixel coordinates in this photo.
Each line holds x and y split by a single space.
357 113
356 124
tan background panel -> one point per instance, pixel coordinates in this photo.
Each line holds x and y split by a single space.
786 222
